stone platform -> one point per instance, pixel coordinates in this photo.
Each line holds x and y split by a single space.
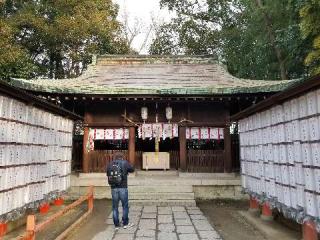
162 223
163 188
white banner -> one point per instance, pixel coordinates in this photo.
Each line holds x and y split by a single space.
204 133
158 130
109 133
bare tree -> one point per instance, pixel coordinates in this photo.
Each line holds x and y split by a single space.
134 28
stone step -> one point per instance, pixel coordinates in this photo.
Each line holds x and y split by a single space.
160 189
189 203
161 196
157 173
97 175
208 175
155 181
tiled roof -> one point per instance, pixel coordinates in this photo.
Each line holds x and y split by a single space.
153 75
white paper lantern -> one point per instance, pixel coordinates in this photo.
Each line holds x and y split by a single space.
169 113
144 113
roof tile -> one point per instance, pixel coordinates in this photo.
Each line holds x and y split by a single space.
155 75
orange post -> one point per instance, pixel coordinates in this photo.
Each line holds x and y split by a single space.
309 231
266 212
90 200
3 229
31 227
253 205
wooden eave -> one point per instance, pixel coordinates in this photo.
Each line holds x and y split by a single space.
152 98
30 99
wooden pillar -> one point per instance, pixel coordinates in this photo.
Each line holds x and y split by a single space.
132 145
85 157
227 150
183 148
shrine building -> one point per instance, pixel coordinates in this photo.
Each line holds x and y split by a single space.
162 112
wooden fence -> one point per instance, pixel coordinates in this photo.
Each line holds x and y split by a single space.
205 161
99 159
174 159
197 160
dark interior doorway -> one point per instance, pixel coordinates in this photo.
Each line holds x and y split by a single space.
111 144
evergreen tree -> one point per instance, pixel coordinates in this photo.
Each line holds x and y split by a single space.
14 60
253 38
59 36
310 27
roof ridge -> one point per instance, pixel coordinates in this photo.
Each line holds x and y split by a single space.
155 59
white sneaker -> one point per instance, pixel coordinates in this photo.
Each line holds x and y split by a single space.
128 226
116 228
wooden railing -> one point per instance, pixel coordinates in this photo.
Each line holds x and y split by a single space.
32 228
205 161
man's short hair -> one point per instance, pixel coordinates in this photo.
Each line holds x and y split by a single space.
118 156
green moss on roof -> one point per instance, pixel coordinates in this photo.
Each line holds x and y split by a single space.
153 75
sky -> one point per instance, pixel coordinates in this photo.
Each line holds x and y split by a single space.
141 12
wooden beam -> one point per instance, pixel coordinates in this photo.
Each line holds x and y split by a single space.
132 145
227 150
85 159
183 148
127 124
205 124
109 124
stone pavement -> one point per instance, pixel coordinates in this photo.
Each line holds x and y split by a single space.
162 223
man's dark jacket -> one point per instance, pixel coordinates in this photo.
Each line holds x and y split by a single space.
126 168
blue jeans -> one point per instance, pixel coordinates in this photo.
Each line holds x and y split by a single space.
120 194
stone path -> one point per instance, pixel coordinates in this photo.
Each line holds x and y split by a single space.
162 223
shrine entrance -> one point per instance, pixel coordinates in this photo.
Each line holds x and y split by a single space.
104 142
158 146
192 139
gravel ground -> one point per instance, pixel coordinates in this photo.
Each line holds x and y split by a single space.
95 223
228 222
61 224
55 228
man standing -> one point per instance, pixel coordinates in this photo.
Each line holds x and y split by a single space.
117 172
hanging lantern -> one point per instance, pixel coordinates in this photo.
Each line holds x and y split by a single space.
144 113
169 113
